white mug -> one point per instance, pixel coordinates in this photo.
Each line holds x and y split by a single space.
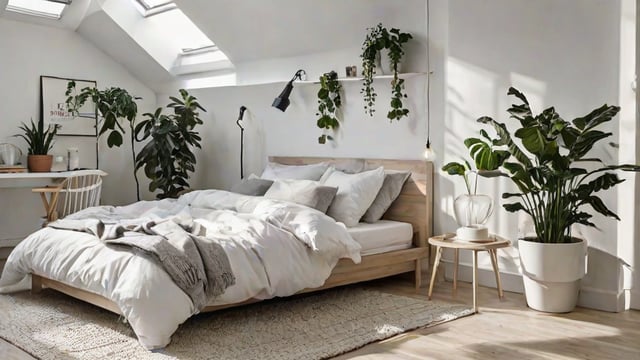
10 153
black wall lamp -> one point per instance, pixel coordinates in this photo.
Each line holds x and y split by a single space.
239 123
282 101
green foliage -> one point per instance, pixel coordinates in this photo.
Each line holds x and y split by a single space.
39 140
112 104
167 157
553 189
377 39
329 101
395 53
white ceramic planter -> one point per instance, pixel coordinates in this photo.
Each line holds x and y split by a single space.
552 274
385 64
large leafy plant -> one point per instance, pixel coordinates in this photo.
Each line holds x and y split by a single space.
39 139
112 105
329 101
167 157
549 166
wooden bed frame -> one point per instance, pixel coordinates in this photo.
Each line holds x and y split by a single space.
414 205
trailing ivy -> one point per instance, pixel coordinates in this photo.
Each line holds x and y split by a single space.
374 41
329 101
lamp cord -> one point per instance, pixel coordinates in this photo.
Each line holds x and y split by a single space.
428 79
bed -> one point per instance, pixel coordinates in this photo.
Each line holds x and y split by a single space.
413 206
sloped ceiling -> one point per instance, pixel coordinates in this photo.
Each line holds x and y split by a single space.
248 30
104 33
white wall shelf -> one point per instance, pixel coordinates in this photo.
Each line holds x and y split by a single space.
359 78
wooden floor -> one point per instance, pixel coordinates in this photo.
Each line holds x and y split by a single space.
504 329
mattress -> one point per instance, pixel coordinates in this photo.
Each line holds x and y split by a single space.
382 236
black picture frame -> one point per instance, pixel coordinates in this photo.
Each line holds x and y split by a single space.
54 110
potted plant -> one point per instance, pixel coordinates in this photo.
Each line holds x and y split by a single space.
472 210
556 181
329 101
167 157
40 141
377 39
112 105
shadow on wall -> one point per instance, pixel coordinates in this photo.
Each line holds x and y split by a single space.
605 275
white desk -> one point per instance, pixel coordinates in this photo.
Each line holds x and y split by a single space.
20 210
31 179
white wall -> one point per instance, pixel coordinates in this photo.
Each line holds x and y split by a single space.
559 53
272 132
29 51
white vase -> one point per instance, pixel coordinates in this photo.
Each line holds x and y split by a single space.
385 63
552 274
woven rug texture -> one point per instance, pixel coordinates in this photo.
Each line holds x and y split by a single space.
51 325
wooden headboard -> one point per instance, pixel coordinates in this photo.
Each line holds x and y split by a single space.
415 203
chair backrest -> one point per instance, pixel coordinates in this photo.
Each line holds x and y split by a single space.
79 192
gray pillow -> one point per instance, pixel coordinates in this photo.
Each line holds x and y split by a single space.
252 186
304 192
391 187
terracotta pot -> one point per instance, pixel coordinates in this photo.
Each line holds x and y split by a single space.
39 163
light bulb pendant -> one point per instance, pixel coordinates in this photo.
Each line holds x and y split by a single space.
429 154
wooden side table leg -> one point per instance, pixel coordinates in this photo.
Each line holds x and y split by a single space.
435 268
456 261
475 281
418 274
493 254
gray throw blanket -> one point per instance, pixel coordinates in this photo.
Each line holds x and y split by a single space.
199 266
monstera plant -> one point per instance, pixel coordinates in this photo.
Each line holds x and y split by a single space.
167 157
558 181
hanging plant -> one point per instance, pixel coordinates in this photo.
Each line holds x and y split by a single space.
374 41
395 53
329 101
377 39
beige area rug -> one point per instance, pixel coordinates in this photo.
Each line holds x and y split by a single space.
314 326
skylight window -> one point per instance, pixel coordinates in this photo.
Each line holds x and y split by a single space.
178 29
43 8
153 7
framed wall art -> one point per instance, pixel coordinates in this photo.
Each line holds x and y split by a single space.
54 107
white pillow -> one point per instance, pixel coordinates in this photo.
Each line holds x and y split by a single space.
356 193
275 171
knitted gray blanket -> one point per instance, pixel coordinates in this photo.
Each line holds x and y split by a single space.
198 265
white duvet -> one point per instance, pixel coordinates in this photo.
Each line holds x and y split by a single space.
275 249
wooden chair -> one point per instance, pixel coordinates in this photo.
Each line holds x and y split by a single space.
77 193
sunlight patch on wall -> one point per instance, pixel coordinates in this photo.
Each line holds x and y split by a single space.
534 89
211 81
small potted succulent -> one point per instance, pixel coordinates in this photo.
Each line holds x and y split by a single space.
40 141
